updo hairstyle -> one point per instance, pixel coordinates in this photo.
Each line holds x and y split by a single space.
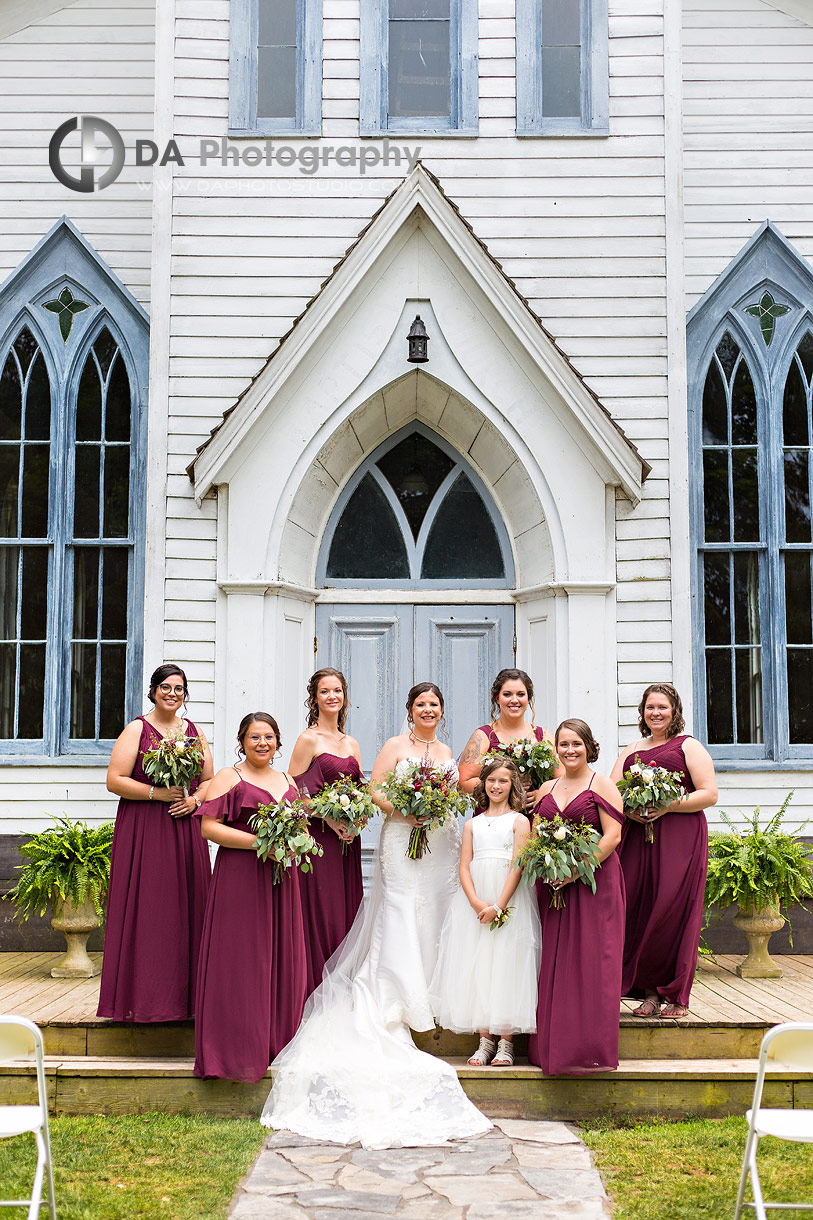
511 675
583 730
266 718
161 674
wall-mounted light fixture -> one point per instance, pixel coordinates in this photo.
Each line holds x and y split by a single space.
417 340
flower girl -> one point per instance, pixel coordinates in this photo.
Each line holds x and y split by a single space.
486 975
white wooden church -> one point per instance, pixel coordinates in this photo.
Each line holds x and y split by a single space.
217 446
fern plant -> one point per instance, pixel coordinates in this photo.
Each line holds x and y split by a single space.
757 866
68 862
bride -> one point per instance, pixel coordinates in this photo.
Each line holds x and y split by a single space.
352 1072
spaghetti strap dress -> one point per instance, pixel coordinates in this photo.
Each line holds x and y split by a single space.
159 879
579 1001
252 972
665 882
331 894
494 743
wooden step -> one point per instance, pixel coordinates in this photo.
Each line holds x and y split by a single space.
641 1088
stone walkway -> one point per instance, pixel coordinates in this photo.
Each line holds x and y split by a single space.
518 1171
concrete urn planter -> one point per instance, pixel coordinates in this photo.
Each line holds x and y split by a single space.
758 927
76 923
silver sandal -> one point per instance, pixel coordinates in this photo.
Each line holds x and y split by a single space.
505 1054
484 1053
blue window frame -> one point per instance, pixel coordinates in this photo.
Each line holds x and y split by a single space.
275 67
750 344
415 515
73 375
419 67
562 67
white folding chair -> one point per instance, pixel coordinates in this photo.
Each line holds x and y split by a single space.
791 1046
21 1040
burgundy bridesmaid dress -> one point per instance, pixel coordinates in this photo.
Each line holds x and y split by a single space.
252 970
332 893
665 883
159 879
577 1014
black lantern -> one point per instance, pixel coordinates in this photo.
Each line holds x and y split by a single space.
417 340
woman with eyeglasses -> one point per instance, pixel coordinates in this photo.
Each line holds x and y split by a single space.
160 870
253 968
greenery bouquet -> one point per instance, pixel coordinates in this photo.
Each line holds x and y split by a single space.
536 761
175 762
283 837
345 801
555 851
426 790
649 788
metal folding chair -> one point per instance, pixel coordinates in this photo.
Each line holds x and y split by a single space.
791 1046
21 1040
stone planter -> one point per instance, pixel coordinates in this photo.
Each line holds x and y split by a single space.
758 927
76 923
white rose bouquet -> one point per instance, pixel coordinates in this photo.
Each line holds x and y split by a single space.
536 761
555 851
345 801
648 789
283 837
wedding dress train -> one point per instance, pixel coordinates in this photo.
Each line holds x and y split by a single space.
352 1072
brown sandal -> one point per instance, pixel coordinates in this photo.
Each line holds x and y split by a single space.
674 1011
649 1008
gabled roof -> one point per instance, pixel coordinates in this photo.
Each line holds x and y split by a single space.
420 192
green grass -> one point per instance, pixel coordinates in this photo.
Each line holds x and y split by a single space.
691 1169
120 1168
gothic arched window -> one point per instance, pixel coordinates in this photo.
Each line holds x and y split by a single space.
415 513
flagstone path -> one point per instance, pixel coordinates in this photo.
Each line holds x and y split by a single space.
520 1170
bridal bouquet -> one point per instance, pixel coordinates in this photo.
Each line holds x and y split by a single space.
556 850
345 801
428 791
283 837
649 789
174 762
536 761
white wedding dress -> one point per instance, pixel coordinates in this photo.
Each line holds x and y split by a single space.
352 1072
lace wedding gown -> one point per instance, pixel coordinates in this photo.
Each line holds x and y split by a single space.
352 1072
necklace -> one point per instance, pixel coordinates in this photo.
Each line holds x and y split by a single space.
423 740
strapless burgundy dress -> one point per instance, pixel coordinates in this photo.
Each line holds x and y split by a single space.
332 893
252 972
579 1003
159 879
665 883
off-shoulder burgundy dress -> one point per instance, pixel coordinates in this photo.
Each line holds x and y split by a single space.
252 971
159 879
577 1015
331 894
665 882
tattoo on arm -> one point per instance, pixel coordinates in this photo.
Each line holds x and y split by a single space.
472 753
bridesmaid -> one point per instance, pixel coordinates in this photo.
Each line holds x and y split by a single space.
665 879
159 870
331 894
512 693
252 971
580 976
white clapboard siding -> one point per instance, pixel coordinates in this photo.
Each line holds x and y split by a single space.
92 57
748 92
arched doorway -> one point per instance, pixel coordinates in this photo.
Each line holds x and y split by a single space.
415 569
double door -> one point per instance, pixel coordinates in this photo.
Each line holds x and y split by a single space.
383 650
